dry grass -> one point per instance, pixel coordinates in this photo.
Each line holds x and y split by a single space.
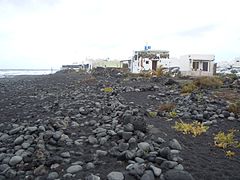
227 140
195 128
230 96
234 107
227 94
146 74
230 153
188 88
202 82
208 82
159 72
168 107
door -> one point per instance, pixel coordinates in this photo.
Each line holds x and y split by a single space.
154 65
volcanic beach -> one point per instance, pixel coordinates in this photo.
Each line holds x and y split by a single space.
100 126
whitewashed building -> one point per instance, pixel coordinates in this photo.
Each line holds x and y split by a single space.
189 65
146 60
192 64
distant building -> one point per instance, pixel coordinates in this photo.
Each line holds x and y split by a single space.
236 63
106 63
126 64
77 67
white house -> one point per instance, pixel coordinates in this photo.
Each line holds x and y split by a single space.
146 60
192 64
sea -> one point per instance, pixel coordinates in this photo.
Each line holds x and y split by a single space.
10 73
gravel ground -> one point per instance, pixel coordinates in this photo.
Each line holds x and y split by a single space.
65 126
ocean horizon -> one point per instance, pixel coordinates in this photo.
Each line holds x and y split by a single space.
10 73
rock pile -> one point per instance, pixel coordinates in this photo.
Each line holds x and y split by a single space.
56 128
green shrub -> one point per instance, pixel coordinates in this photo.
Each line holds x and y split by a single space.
230 153
208 82
152 114
108 90
232 76
227 140
173 114
188 88
195 128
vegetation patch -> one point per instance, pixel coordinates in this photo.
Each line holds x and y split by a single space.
152 114
108 90
159 72
230 153
188 88
208 82
234 107
227 140
226 94
195 128
232 77
173 114
168 107
146 74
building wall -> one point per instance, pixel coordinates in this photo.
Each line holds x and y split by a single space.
146 64
199 56
236 63
182 63
200 59
135 68
105 63
142 64
185 63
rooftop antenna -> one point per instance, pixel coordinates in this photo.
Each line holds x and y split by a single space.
147 47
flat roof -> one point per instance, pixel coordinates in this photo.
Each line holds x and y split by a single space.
153 51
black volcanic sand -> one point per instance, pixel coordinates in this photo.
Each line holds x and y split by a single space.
32 99
201 158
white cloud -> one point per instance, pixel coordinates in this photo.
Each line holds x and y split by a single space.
51 33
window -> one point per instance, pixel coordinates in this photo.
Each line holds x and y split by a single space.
195 66
205 66
135 57
147 62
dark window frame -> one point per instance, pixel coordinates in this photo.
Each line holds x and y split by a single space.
195 65
205 66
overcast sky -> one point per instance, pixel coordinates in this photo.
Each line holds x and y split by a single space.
49 33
